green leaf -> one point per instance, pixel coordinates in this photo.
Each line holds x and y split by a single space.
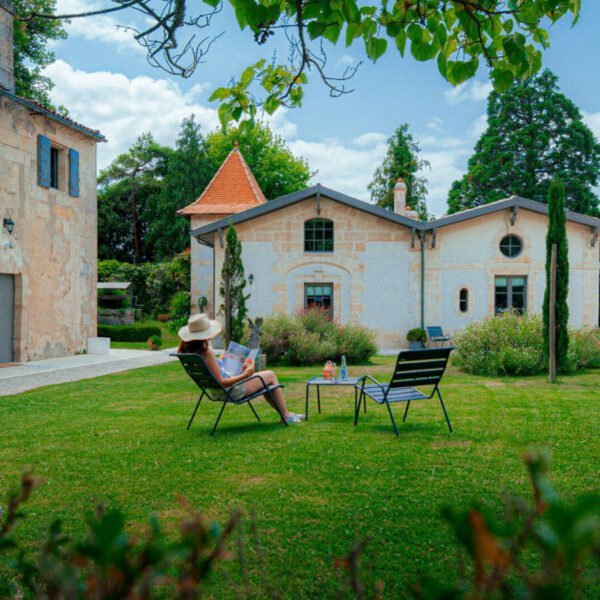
375 47
220 93
272 104
316 29
401 41
423 51
332 32
247 76
502 79
459 71
441 63
514 48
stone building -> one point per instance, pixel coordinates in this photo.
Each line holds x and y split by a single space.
391 272
48 239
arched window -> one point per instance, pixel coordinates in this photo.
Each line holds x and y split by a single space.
318 235
463 300
511 246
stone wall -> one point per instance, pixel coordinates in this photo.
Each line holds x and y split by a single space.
467 255
374 272
55 239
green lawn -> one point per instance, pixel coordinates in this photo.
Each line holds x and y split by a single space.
170 339
314 487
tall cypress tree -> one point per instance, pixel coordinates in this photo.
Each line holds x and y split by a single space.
232 287
557 234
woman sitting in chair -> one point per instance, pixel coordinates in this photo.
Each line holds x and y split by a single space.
195 339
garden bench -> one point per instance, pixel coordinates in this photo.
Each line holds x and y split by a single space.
198 370
436 335
413 368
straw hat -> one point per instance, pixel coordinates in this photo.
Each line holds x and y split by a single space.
199 327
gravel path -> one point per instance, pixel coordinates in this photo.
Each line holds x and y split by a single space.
28 376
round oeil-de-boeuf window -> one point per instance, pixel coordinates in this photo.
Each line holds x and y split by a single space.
511 246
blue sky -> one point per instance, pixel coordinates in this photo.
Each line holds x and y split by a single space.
102 76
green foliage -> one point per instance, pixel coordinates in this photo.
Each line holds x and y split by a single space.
512 344
557 234
153 284
506 344
233 283
401 160
312 337
128 190
187 172
31 55
179 311
128 333
154 342
111 562
416 335
534 134
505 37
542 549
276 169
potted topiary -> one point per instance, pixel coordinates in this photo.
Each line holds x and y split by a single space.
416 338
154 342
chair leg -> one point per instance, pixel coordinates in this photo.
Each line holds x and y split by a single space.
306 403
319 399
218 419
406 411
255 413
195 410
392 417
444 409
357 400
276 407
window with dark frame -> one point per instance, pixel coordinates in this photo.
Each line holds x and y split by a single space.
54 170
463 300
510 293
511 246
318 235
319 296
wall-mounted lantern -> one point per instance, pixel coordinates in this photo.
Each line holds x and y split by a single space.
9 225
251 279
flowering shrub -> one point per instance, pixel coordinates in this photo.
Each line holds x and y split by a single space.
511 344
312 337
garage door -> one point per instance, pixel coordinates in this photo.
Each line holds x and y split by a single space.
7 317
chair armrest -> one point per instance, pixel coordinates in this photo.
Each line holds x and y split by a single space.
363 379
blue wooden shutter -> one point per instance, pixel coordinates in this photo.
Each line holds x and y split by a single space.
43 161
73 173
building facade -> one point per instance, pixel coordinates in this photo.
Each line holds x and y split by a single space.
391 272
48 239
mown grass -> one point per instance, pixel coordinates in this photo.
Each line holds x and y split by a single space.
314 488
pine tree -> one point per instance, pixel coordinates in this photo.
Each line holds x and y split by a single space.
401 160
232 287
534 133
557 234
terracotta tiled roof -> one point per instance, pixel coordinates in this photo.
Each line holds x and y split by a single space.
233 189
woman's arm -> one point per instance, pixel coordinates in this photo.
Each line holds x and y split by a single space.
213 365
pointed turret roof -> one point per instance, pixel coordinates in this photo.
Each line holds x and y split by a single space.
233 189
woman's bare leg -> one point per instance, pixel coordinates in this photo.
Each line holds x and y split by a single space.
278 402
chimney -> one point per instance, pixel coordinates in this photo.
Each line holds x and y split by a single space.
7 75
400 207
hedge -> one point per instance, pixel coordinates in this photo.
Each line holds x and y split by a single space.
128 333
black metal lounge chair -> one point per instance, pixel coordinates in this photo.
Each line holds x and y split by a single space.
436 335
197 369
413 368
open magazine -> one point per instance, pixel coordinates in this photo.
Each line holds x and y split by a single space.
235 356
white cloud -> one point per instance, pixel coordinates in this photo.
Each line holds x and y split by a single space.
435 124
123 108
474 91
341 167
280 124
369 139
346 60
102 28
592 120
478 126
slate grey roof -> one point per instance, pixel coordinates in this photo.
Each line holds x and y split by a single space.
40 109
305 194
311 192
512 202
